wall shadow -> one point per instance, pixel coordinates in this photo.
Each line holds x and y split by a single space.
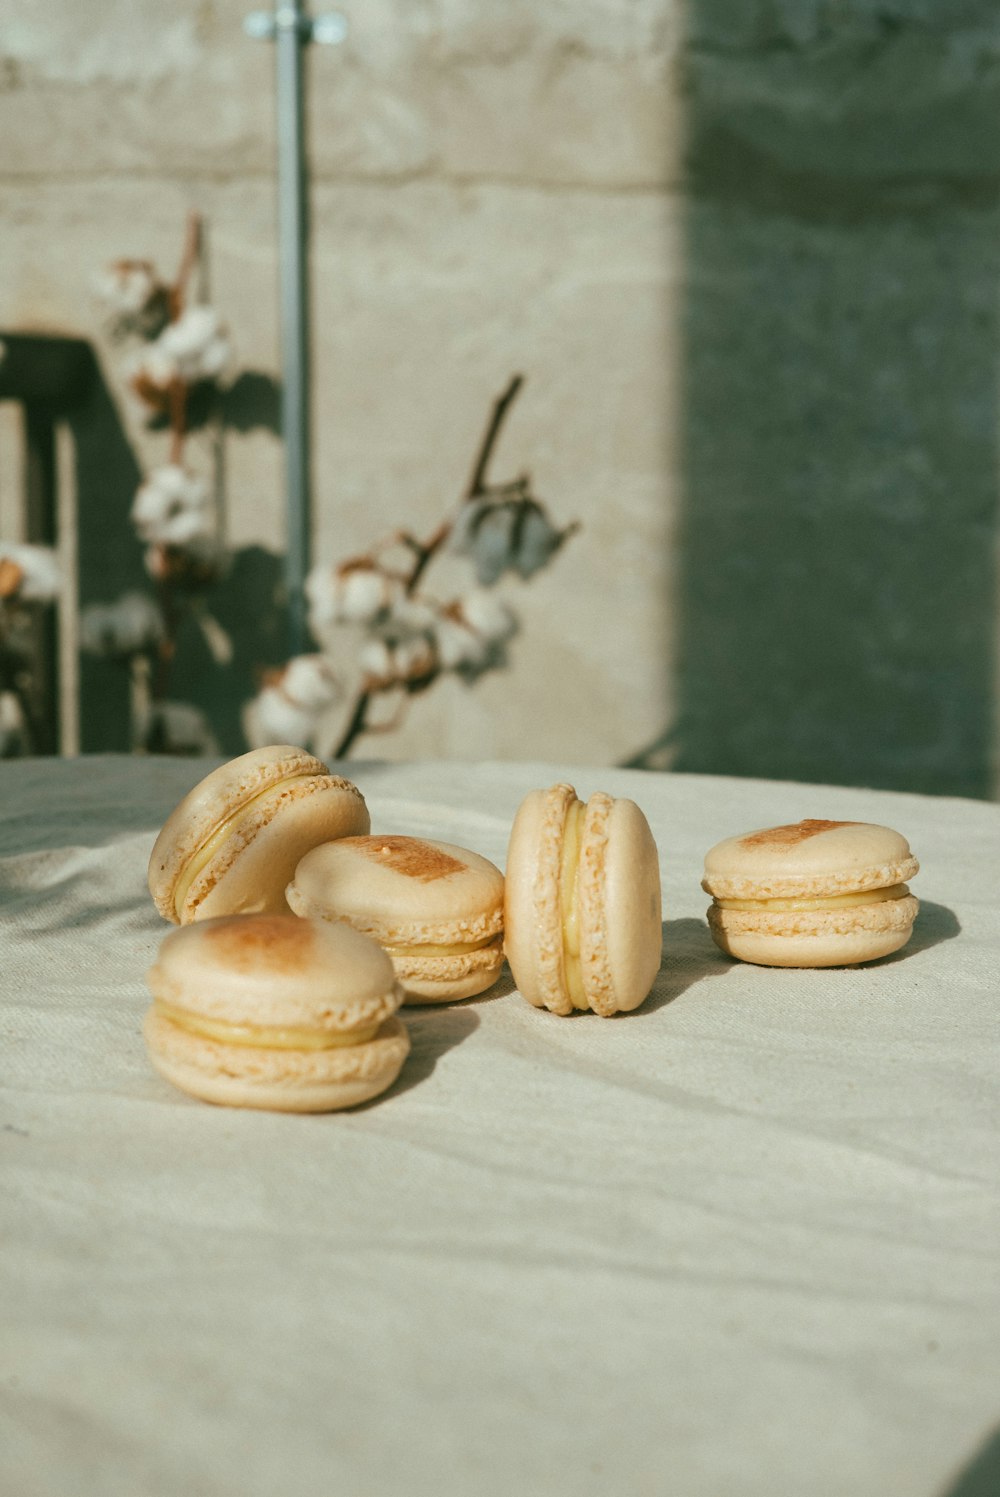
109 556
249 601
981 1477
837 589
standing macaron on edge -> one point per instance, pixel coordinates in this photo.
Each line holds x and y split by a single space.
582 910
232 843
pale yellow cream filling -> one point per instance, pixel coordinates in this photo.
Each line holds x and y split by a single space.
459 948
569 905
201 859
262 1036
830 902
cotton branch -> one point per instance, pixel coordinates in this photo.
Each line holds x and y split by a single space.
425 551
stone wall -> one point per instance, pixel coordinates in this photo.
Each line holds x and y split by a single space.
744 254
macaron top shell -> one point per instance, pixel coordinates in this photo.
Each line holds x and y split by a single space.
811 857
242 799
275 970
618 898
402 889
621 932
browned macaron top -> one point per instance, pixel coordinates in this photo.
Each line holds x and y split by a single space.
408 856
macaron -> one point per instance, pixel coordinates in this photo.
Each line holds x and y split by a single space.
813 894
437 909
232 844
273 1012
582 909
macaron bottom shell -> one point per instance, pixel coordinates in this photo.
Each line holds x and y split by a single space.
276 1080
447 979
835 938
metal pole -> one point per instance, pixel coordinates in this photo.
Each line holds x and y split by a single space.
291 30
293 230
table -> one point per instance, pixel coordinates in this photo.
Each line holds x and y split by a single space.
743 1241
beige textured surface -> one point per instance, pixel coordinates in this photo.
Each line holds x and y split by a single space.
748 1232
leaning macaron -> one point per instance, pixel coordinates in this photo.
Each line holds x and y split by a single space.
232 844
582 913
273 1012
437 909
812 894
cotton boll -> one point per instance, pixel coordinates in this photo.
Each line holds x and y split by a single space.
272 718
127 286
310 682
489 615
411 615
13 728
538 540
508 533
355 593
186 528
215 357
151 365
122 628
485 531
192 332
376 661
174 485
458 646
173 508
178 728
196 343
320 588
289 708
363 592
32 574
414 658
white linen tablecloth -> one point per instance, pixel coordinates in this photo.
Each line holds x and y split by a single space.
743 1241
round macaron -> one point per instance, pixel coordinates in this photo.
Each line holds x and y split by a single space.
437 909
232 844
274 1012
815 894
582 909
